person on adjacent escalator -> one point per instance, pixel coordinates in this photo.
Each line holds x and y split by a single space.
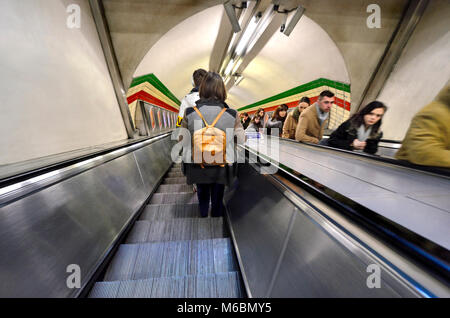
362 131
314 119
277 120
245 120
290 124
262 114
211 109
255 125
427 140
193 96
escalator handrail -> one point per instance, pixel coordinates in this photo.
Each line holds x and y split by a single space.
416 246
441 172
19 177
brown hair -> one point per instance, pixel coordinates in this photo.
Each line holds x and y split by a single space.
213 88
198 76
259 125
276 113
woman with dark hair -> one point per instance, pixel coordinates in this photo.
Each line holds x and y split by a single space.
261 113
277 120
361 131
290 124
216 119
255 124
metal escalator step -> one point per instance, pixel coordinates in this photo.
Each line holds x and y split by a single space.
105 290
156 212
202 286
175 174
229 285
123 263
168 287
182 180
174 188
176 230
126 288
139 232
176 169
171 198
223 256
220 285
167 259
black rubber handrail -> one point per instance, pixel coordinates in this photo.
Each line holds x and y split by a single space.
443 172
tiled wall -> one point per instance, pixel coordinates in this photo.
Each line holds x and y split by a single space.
338 114
149 88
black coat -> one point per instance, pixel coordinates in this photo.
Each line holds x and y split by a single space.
345 134
245 123
226 175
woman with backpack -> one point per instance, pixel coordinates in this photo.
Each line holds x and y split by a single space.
212 126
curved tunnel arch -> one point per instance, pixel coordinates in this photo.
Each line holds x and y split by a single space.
282 62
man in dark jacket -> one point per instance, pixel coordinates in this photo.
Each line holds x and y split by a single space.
246 120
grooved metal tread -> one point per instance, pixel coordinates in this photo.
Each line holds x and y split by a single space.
180 180
176 229
172 252
174 258
222 285
176 174
174 188
156 212
172 198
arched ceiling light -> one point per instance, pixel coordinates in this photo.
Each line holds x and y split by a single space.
297 16
231 13
248 38
256 22
238 79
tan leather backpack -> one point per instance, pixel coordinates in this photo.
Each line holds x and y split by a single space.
209 143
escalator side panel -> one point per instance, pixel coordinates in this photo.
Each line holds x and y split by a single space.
75 221
260 221
312 264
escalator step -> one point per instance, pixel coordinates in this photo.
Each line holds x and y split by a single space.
156 212
221 285
171 198
177 229
182 180
175 174
167 259
174 188
176 170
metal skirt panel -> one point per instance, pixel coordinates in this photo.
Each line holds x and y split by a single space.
74 222
287 253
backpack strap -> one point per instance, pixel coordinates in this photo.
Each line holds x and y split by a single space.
201 116
215 120
218 117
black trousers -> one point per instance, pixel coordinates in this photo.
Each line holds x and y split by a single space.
211 192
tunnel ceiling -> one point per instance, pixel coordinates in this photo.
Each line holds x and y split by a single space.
331 41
